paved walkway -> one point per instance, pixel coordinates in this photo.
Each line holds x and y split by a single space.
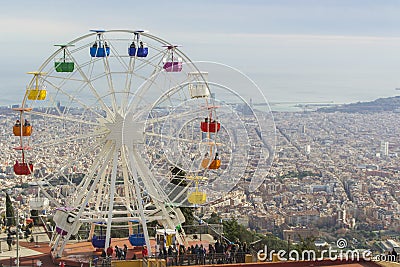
29 252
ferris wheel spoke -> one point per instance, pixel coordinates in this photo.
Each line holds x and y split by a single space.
128 82
95 173
100 193
46 179
128 187
157 58
169 137
64 118
74 138
110 84
72 98
148 181
95 93
118 56
191 113
112 194
132 74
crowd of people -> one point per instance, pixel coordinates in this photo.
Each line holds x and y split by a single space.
120 252
218 253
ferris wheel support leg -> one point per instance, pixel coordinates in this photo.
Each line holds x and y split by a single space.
150 185
151 189
92 226
106 154
143 219
56 243
54 236
112 194
129 194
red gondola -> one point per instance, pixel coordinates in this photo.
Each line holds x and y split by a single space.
23 168
22 129
209 126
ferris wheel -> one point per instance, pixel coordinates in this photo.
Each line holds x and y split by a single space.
121 127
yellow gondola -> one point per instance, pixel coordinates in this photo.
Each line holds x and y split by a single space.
36 92
197 197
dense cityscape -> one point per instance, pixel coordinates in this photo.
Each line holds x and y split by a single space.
333 173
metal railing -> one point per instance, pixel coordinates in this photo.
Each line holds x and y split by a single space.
201 259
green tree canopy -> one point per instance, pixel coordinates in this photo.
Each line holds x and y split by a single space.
9 211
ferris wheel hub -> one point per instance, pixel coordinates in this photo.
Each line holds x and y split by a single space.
125 132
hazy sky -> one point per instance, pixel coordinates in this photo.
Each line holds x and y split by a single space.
295 50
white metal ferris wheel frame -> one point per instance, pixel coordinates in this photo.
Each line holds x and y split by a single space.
127 154
115 146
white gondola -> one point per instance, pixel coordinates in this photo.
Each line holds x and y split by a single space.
38 203
64 221
198 84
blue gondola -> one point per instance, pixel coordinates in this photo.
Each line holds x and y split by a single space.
132 50
96 51
137 240
100 48
142 51
137 47
99 241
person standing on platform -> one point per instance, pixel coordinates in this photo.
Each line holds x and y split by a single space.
145 252
9 241
110 251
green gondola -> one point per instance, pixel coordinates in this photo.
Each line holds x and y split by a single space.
64 64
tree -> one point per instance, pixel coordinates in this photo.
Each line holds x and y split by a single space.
188 213
272 242
306 244
231 229
179 178
214 219
236 232
9 211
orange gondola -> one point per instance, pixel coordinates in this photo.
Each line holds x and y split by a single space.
214 164
25 130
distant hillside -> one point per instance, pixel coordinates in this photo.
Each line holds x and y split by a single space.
378 105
